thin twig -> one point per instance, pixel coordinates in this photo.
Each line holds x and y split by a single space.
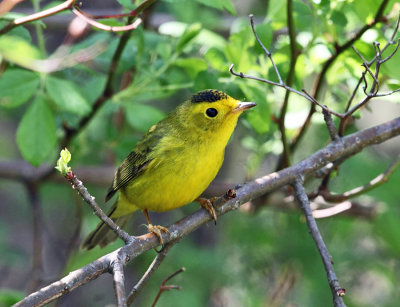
78 12
378 59
328 63
324 108
336 289
393 52
89 199
374 183
390 42
330 125
149 273
353 94
333 210
267 52
378 56
350 208
119 283
42 14
388 93
373 75
288 88
164 287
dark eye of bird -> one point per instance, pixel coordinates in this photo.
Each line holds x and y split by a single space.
211 112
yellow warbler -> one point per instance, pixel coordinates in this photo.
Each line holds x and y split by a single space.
173 163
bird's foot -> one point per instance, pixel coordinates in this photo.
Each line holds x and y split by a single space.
207 204
158 230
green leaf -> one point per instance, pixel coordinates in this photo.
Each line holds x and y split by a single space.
190 33
17 50
192 65
17 86
339 19
303 14
237 50
229 6
217 59
66 95
93 88
20 31
142 116
36 134
62 162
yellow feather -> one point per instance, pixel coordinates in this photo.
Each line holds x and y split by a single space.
177 159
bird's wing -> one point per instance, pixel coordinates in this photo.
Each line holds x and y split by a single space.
135 163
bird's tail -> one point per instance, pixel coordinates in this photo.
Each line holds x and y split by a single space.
103 234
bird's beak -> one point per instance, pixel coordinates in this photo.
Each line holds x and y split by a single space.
241 106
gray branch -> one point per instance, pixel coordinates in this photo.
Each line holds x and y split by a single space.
349 146
337 291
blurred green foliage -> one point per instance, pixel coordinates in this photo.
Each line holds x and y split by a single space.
265 258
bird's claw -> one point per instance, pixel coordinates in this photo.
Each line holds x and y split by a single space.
207 204
158 230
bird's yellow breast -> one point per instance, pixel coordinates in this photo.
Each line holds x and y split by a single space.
177 175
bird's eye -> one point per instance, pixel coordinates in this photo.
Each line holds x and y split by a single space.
211 112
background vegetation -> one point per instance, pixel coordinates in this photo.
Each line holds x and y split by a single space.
56 90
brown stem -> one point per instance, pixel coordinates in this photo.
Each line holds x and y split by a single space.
284 159
164 287
40 15
131 26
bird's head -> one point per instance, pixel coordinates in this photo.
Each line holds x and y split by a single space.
212 111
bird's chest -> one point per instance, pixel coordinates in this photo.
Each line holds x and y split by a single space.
179 176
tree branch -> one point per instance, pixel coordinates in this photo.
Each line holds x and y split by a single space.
331 126
350 145
325 67
149 273
165 287
39 15
377 181
336 289
131 26
119 283
89 199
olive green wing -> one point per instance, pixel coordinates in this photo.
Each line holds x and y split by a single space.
135 163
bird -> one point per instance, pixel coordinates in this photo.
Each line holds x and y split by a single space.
173 163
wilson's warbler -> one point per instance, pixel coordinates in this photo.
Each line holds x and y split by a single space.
173 163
